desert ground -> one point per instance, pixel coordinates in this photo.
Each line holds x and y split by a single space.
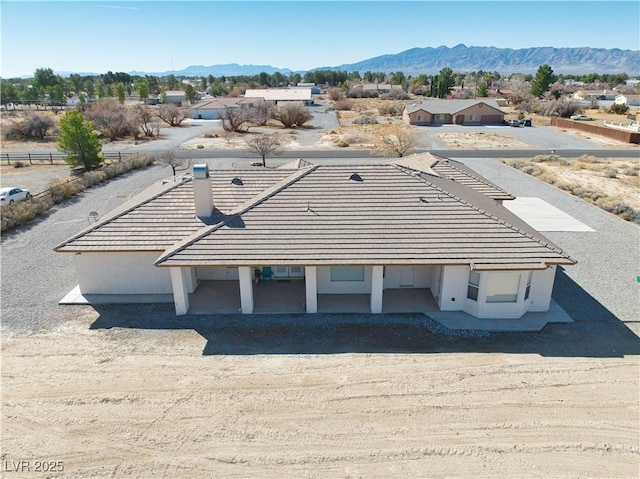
265 400
104 394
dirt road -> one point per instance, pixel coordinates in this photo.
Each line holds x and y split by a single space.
145 403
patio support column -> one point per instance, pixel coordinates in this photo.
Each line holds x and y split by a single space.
311 285
246 289
377 282
180 284
191 279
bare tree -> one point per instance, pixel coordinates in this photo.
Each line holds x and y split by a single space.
397 140
110 118
236 119
293 115
172 115
174 158
265 145
146 119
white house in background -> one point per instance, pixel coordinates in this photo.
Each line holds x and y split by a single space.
422 224
174 97
280 95
214 108
627 99
633 82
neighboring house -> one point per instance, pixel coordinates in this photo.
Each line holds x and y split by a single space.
594 95
174 97
379 87
280 95
326 238
458 112
627 99
314 89
214 108
633 82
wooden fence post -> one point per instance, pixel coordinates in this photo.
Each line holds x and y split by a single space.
50 158
30 162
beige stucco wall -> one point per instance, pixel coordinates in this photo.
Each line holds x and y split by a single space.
121 273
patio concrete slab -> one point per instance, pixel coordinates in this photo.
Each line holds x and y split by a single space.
543 216
75 296
459 320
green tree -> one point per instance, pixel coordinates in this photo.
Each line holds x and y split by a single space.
190 93
481 90
143 90
78 140
542 81
120 93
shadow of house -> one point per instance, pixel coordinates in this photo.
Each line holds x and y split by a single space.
596 332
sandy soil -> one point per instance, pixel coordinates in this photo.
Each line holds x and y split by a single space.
148 403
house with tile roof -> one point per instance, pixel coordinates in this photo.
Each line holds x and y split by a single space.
413 234
453 112
282 95
215 108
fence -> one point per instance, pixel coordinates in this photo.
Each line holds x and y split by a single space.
620 135
50 158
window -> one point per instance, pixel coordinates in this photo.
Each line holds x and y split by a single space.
528 290
347 273
474 285
502 287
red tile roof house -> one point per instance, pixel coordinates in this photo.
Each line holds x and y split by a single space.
420 233
453 112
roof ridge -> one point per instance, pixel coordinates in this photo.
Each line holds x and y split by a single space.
119 214
547 244
479 178
239 210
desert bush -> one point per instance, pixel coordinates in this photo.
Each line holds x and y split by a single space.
393 109
19 164
610 173
341 143
31 127
359 92
19 214
632 170
335 94
563 109
211 134
618 109
292 116
397 94
366 120
344 104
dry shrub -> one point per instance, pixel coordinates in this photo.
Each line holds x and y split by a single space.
393 109
632 170
366 120
343 105
13 216
19 214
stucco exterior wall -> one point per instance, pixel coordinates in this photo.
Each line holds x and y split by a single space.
454 287
326 286
121 273
217 274
399 276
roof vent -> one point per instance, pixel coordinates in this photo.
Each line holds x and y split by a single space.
237 181
356 177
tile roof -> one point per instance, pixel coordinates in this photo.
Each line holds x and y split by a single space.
449 106
164 214
454 170
384 215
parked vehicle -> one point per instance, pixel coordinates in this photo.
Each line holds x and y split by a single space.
526 122
581 117
11 194
515 123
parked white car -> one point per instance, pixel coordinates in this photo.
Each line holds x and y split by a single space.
11 194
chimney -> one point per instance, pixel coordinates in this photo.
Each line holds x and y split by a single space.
203 196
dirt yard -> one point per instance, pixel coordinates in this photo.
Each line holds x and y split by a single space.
144 403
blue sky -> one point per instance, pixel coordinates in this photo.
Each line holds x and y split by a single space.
154 36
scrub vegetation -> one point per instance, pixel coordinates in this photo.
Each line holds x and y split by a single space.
611 184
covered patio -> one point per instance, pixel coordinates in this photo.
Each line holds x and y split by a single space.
288 296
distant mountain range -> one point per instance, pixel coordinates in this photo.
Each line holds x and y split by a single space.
460 58
503 60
